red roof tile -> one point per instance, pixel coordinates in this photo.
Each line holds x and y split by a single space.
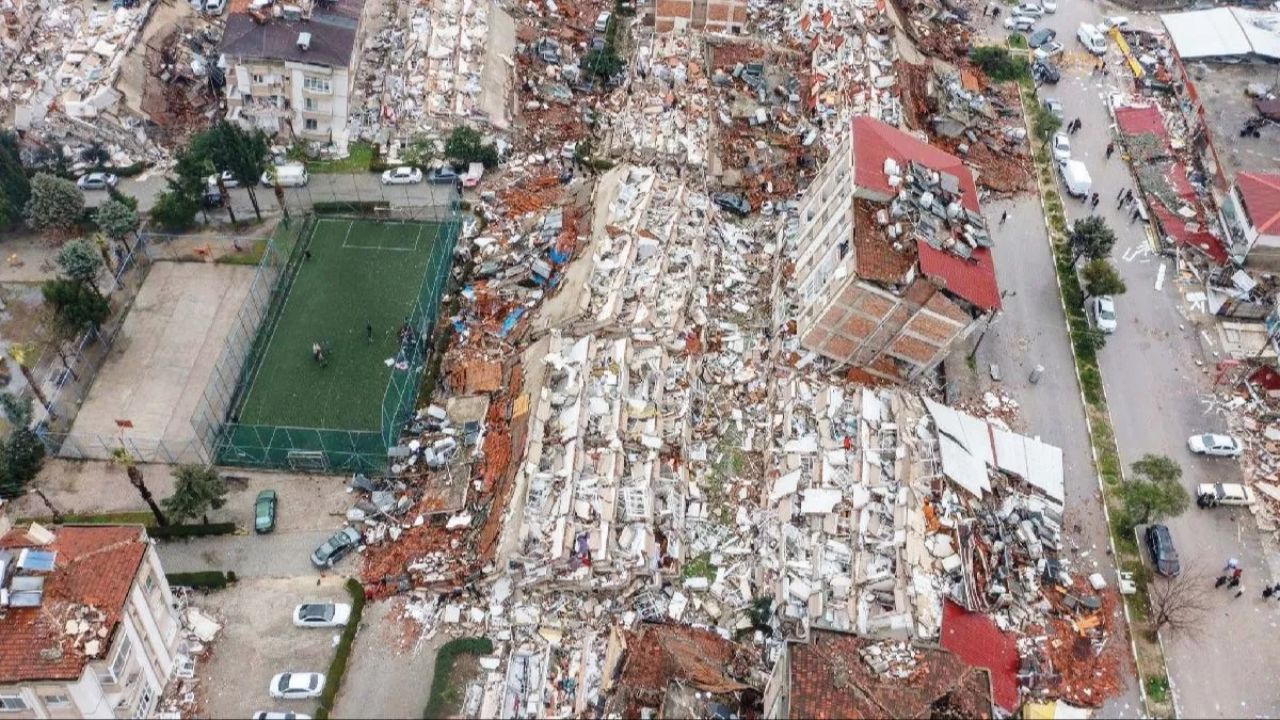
94 566
830 680
876 256
973 279
1261 193
976 639
874 141
659 654
1142 120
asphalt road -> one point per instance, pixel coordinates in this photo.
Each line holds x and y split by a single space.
321 188
1156 375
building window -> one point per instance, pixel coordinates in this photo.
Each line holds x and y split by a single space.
12 703
113 672
149 585
316 85
144 703
56 700
310 104
310 124
258 79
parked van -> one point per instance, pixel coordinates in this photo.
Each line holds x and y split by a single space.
1092 39
287 175
602 22
1075 178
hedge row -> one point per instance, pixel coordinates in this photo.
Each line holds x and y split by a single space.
448 654
177 532
207 580
338 207
338 667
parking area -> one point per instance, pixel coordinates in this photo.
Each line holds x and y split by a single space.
386 655
259 640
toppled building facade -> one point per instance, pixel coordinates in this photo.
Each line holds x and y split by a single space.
893 265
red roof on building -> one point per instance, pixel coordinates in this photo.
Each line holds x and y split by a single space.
94 566
977 640
1261 193
973 279
874 141
1140 120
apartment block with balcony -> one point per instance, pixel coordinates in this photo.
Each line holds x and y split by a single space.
87 625
290 68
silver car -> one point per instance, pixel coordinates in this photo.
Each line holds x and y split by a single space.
335 548
97 181
296 685
1215 445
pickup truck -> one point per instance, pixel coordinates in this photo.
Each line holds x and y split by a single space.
1214 494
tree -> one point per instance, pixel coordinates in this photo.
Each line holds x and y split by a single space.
116 219
1046 123
1091 238
80 261
226 147
197 490
1179 603
95 154
420 151
174 211
603 63
1153 491
21 453
15 187
121 456
997 63
55 204
21 354
1101 278
76 305
467 146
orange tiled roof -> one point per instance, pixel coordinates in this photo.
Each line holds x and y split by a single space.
94 566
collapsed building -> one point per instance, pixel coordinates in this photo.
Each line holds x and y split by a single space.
893 262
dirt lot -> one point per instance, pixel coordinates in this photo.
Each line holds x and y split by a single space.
258 640
384 658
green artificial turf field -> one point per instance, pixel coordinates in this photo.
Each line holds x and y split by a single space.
359 272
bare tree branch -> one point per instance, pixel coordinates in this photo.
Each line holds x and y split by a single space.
1179 603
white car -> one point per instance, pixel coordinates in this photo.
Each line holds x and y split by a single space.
1102 313
1061 147
228 180
296 685
1050 6
278 715
1048 50
97 181
403 175
1215 445
1029 9
1214 494
1019 22
321 615
1115 21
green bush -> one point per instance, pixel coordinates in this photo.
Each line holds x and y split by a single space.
178 532
448 654
338 207
338 667
206 580
998 64
127 171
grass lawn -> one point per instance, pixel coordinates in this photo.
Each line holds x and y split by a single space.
356 162
359 273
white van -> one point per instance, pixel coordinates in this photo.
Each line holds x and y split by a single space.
1092 39
287 175
1075 178
602 22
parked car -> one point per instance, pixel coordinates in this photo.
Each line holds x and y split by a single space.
1050 6
264 512
1215 445
1043 72
228 180
443 176
1061 147
296 685
1214 494
1048 50
1163 554
403 175
1029 9
277 715
471 177
321 615
1075 178
1054 107
1115 21
602 21
1041 36
336 547
1023 23
97 181
214 7
735 204
286 175
1092 39
1102 313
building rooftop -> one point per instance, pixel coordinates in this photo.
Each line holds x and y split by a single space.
874 142
93 569
265 33
660 654
1261 194
832 677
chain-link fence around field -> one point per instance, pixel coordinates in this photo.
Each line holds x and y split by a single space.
239 443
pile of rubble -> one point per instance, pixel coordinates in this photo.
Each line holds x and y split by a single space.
184 695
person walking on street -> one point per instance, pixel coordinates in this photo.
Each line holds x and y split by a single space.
1128 195
1232 564
368 330
1120 194
1133 215
1093 201
1004 216
1111 148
